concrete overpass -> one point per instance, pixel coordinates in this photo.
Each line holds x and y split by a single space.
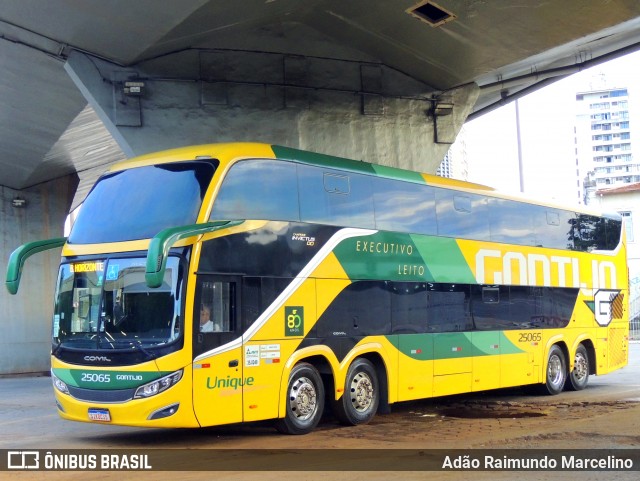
391 82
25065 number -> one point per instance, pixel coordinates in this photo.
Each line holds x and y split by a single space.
530 337
95 377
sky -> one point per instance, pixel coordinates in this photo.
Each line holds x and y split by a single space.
547 119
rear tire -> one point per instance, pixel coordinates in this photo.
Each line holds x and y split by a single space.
556 371
305 401
361 397
579 376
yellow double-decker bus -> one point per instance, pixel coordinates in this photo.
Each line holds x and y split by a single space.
228 283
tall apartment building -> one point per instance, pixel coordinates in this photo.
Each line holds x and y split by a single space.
604 153
608 170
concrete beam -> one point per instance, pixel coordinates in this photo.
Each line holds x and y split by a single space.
352 108
94 78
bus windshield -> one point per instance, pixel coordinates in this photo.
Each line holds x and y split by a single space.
105 304
138 203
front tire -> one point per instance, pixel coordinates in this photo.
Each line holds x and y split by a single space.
305 401
556 371
361 397
579 376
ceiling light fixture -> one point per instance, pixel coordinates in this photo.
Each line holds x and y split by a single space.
19 202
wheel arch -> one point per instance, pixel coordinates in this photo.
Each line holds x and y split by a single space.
334 373
321 358
374 353
377 360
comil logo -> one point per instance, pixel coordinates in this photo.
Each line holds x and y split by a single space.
23 460
97 359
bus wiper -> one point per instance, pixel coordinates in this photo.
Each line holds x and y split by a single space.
105 336
139 346
73 340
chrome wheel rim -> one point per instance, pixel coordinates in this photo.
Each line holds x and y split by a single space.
361 392
554 371
580 367
303 399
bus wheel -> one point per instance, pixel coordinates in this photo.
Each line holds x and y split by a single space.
305 401
579 377
359 402
556 371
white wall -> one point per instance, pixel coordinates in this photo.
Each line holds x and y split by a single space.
628 202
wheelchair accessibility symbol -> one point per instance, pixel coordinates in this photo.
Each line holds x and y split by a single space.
112 272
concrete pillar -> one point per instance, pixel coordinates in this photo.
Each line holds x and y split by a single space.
355 108
25 344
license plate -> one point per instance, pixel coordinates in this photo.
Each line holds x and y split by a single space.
99 415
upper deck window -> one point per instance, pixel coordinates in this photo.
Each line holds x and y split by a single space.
404 206
335 197
258 189
138 203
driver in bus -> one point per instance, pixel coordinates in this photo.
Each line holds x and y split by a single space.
206 324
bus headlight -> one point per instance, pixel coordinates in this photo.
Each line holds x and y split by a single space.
59 384
157 386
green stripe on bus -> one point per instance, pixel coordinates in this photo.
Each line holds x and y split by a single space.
329 161
444 259
106 380
400 174
452 345
404 257
383 255
313 158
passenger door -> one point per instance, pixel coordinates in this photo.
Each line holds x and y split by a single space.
217 346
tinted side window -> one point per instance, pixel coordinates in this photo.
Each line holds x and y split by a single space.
409 307
335 197
511 222
361 309
251 306
462 215
596 233
404 207
258 189
554 228
449 308
541 306
491 307
614 230
258 293
521 307
271 288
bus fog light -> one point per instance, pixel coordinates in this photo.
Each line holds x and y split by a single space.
59 384
164 412
158 386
